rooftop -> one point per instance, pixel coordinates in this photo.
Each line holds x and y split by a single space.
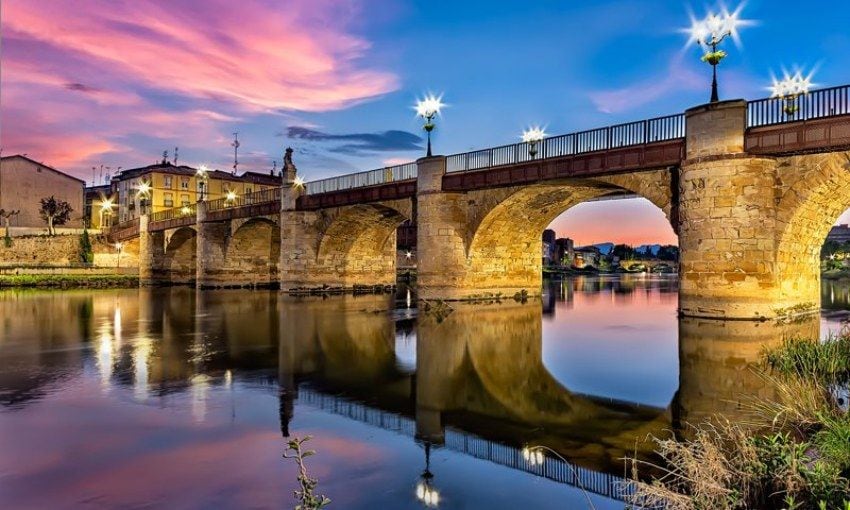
42 165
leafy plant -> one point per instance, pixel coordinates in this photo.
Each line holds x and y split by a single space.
307 499
54 212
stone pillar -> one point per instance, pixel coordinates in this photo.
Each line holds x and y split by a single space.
726 219
718 363
211 245
151 253
297 245
440 230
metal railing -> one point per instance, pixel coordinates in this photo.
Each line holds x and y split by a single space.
660 129
362 179
123 230
257 197
174 213
552 468
817 104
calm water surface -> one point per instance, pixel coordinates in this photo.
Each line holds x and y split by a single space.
172 398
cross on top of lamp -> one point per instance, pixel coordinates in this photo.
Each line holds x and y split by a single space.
532 136
428 108
790 88
712 30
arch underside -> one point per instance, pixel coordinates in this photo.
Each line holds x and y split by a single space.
806 212
358 246
253 252
180 256
504 249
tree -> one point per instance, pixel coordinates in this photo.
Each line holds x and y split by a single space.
7 217
623 252
86 252
54 212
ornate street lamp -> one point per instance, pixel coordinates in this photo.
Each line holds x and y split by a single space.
106 206
428 108
789 89
712 30
533 136
144 194
425 490
203 175
230 197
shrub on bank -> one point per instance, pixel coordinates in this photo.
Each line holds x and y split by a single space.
794 455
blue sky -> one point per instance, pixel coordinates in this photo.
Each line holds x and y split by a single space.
117 82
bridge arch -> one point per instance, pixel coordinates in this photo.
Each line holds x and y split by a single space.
253 251
806 211
180 260
358 244
505 226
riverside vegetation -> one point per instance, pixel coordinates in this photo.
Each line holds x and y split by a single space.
793 454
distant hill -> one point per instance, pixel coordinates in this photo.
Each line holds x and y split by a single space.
604 248
648 249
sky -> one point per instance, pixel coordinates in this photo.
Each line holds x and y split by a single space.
86 83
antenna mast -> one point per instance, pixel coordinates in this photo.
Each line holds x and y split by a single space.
175 155
235 146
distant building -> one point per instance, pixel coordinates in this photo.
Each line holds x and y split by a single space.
550 256
587 256
839 234
171 186
565 251
100 208
24 182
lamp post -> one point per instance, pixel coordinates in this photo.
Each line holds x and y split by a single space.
118 246
425 490
789 89
230 197
709 32
428 108
533 136
143 195
106 206
203 175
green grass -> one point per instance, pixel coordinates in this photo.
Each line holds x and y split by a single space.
68 281
828 361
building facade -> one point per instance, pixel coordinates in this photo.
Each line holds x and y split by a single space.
839 234
24 182
163 186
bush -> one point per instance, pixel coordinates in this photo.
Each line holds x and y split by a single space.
86 252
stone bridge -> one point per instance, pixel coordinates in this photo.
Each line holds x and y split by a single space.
751 192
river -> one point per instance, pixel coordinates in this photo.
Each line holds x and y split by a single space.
176 398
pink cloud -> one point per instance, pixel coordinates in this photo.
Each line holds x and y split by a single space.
677 77
93 82
258 55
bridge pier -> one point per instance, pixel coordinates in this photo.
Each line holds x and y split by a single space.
151 253
213 236
730 225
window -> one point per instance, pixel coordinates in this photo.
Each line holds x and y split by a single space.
169 200
247 190
184 183
184 200
168 181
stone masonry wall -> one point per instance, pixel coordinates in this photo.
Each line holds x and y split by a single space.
64 250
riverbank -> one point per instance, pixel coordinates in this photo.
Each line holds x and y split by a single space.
69 281
836 274
793 454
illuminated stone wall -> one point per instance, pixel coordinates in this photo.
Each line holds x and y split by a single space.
486 242
751 227
342 247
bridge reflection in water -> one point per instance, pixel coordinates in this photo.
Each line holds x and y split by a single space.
471 381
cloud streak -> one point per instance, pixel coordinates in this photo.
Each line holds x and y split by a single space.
86 81
360 143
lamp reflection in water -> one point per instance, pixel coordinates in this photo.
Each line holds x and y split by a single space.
425 490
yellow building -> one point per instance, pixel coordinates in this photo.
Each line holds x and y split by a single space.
165 186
